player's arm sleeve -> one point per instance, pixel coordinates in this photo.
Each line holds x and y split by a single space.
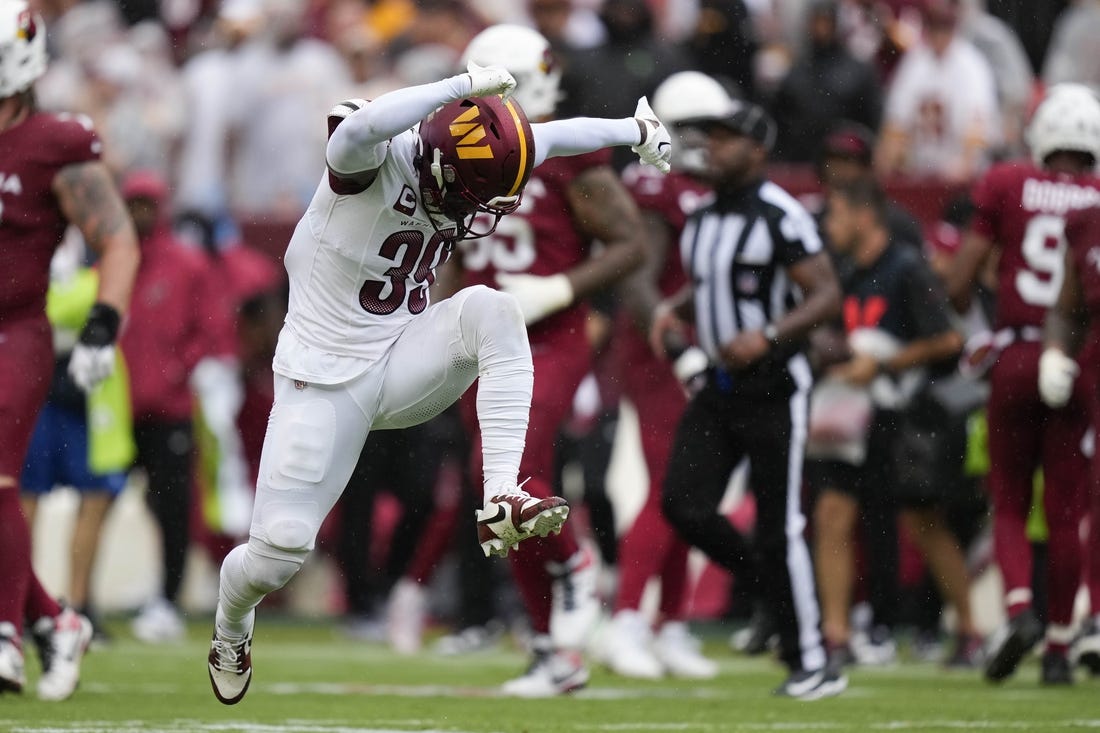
361 141
582 135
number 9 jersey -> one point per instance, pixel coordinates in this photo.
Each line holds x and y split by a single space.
1021 209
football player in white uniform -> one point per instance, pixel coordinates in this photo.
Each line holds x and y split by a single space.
363 350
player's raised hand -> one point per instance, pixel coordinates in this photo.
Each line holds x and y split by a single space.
655 147
486 80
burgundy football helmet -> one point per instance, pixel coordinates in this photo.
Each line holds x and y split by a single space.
475 157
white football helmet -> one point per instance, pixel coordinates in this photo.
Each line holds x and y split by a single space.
526 54
22 47
1068 118
689 95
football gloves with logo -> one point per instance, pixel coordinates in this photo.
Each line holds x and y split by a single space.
1056 374
93 357
538 297
486 80
655 147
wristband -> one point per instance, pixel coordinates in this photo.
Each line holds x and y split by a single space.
771 333
101 328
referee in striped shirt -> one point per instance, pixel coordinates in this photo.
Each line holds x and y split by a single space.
758 281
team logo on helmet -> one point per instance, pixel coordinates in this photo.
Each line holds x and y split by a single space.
472 135
475 157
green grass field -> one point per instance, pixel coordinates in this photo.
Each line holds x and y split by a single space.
310 680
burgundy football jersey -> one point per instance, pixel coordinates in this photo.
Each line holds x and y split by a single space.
539 238
672 197
1022 210
1083 236
31 222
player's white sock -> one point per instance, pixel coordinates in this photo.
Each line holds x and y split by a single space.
246 577
494 332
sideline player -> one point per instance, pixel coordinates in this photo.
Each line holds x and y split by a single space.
51 176
363 350
1019 216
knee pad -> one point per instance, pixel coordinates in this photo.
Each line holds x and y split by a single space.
488 313
288 526
269 568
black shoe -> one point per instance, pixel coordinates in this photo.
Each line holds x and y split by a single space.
813 685
1010 644
1056 670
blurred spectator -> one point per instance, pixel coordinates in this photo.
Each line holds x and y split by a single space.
723 44
430 48
1034 22
612 76
876 32
1074 55
281 82
941 115
845 156
208 85
824 86
178 342
1011 69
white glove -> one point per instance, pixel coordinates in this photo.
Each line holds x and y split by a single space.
1056 374
690 364
656 145
486 80
90 365
538 297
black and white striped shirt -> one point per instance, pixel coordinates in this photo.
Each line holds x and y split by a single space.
736 251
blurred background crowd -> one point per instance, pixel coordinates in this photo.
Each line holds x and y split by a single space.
212 117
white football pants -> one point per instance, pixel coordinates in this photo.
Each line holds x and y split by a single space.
316 432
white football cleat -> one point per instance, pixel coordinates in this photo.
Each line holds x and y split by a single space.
509 518
680 653
574 600
12 674
405 616
230 666
552 672
61 641
627 649
159 622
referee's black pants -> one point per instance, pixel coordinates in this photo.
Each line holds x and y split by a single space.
720 427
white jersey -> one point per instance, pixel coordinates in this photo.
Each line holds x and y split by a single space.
360 267
945 103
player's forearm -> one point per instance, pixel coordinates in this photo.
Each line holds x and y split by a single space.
582 135
118 264
1063 329
351 147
